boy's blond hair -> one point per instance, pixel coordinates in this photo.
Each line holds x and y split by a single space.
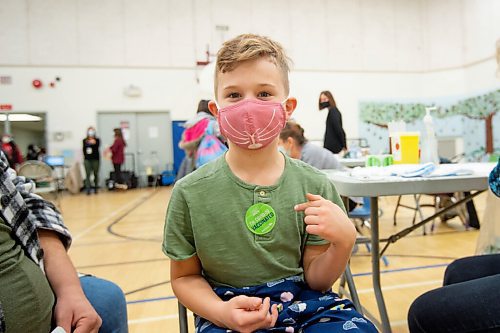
249 47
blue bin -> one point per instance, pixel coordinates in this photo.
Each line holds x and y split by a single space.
167 177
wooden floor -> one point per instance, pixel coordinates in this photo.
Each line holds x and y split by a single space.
117 236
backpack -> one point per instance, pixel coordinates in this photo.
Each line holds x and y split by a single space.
210 147
193 135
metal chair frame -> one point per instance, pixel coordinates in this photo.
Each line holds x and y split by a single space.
39 171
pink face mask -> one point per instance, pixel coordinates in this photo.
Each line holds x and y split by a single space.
252 124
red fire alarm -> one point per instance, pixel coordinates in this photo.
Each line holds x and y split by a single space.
37 83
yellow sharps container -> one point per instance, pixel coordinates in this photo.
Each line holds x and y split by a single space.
405 148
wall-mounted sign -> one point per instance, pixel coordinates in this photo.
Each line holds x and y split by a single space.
125 126
6 107
5 79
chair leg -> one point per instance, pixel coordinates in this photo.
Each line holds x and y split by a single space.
183 324
437 200
396 210
418 209
352 289
342 285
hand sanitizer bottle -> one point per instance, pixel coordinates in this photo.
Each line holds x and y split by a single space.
429 148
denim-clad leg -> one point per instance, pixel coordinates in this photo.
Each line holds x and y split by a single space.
109 302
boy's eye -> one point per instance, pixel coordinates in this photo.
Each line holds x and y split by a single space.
264 94
233 95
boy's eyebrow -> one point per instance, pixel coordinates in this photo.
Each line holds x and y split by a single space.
259 84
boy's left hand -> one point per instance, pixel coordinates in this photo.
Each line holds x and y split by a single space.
327 220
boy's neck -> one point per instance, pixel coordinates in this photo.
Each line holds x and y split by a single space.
261 167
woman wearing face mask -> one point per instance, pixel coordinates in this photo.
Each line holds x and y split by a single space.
91 159
335 140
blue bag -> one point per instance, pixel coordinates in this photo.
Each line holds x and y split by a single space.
210 147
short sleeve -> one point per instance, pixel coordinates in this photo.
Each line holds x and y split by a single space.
328 192
178 240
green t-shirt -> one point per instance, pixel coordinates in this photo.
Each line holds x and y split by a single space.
206 217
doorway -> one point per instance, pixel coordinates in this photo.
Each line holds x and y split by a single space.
149 142
25 128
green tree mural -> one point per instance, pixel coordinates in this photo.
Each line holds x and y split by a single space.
380 114
482 107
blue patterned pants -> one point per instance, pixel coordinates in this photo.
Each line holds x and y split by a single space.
300 309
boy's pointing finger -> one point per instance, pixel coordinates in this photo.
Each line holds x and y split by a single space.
304 205
313 197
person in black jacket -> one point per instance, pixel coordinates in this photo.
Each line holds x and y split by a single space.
92 158
335 140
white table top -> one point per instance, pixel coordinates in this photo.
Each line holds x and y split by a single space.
352 162
384 185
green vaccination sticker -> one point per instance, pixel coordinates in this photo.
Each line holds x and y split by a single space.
260 218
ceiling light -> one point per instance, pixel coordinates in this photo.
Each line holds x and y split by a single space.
20 117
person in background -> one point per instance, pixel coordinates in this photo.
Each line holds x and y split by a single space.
92 157
39 287
11 151
118 157
494 179
33 153
468 300
335 139
293 142
195 130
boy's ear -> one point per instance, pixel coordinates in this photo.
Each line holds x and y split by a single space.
213 108
290 105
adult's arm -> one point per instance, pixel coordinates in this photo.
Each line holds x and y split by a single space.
73 311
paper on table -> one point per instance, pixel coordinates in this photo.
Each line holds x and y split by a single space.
428 170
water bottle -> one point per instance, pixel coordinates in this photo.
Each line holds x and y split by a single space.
429 147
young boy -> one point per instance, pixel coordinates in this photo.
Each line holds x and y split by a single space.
257 239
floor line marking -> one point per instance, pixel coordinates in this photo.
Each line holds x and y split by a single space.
152 319
155 299
401 269
397 323
402 286
107 218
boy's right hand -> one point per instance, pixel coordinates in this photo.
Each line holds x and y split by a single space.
248 314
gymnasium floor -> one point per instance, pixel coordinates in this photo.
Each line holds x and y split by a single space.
117 236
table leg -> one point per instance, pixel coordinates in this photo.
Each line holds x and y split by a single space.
384 319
